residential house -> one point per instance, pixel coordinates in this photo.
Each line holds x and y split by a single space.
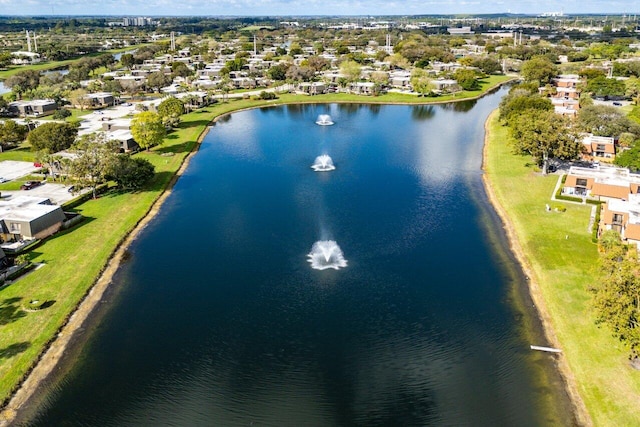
622 216
400 79
33 108
124 138
27 218
565 106
198 99
446 85
24 58
100 100
601 183
313 88
362 88
599 147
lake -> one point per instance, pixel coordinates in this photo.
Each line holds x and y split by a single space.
218 318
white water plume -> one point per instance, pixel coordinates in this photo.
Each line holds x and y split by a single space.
323 163
324 120
326 254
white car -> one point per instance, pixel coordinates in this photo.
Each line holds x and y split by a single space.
4 180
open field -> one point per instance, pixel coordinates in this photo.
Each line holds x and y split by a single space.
562 263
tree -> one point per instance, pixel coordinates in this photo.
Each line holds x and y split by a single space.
130 173
545 135
180 69
591 73
617 296
350 70
538 69
112 85
602 87
295 49
517 102
52 137
61 114
398 61
225 87
158 80
171 106
603 120
467 79
295 73
487 65
79 98
318 63
11 134
235 64
421 82
278 72
95 154
127 60
380 80
147 129
23 81
629 158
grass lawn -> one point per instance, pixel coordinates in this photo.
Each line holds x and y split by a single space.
563 261
74 258
22 153
76 115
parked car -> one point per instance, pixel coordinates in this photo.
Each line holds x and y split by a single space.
30 184
71 189
3 180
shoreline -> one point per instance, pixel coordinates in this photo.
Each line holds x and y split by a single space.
50 357
581 413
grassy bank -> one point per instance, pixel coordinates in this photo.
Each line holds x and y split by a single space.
74 259
562 260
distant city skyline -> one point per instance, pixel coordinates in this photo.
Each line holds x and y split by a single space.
310 7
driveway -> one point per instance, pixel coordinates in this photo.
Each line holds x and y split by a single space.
12 169
57 193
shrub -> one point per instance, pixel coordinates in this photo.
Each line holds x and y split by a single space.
267 95
61 114
596 223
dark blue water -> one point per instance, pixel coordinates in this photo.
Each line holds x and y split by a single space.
218 319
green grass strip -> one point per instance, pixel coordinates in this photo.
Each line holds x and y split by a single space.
563 260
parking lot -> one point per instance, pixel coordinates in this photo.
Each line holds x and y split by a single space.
12 169
57 193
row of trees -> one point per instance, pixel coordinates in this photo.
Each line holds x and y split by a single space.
616 297
96 160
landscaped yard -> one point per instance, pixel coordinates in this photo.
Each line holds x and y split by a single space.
564 264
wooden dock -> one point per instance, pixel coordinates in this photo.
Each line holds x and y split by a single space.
547 349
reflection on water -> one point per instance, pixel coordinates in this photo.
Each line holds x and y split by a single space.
423 112
220 320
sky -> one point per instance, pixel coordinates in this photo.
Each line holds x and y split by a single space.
310 7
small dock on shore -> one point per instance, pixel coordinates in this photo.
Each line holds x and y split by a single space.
547 349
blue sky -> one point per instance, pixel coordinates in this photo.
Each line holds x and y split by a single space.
309 7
